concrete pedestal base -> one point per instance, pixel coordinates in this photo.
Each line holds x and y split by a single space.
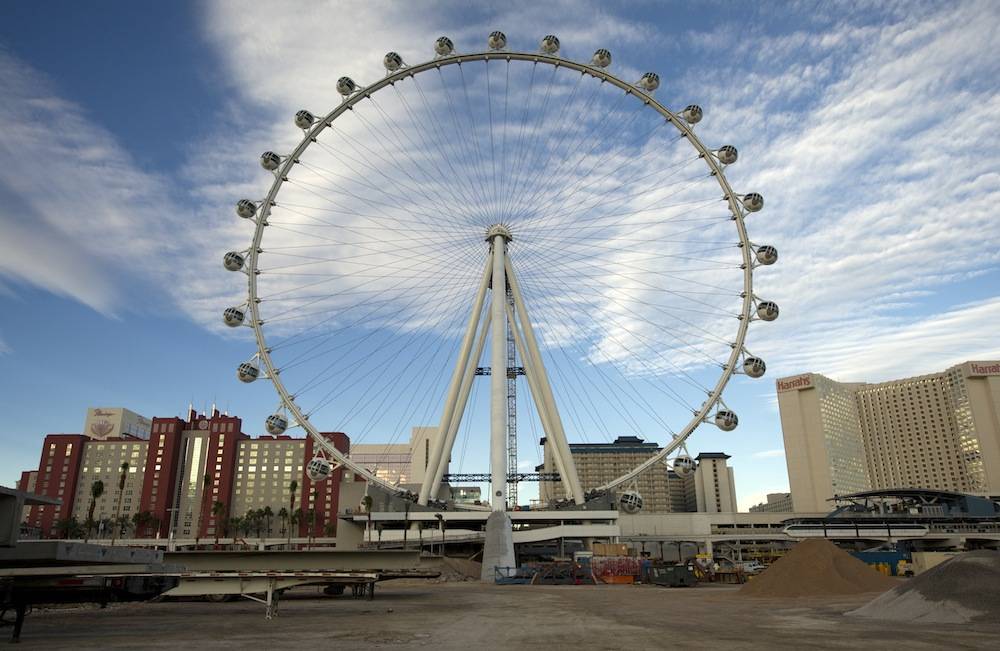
499 548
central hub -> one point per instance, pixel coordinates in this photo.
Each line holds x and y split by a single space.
498 229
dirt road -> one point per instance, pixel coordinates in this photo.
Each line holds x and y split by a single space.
473 616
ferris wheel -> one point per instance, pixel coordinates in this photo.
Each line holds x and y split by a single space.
506 213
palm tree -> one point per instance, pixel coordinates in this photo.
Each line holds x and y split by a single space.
248 521
292 487
283 515
366 501
67 527
206 493
260 521
296 518
122 523
121 494
310 517
96 490
234 527
268 514
139 521
218 510
330 529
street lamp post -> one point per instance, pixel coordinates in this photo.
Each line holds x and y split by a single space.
440 519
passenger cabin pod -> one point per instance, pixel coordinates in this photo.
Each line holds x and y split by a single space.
630 501
753 202
726 420
233 316
684 465
649 82
727 154
392 61
346 86
767 254
319 469
304 119
276 424
497 41
270 161
692 114
754 367
247 372
233 261
443 46
246 208
767 310
601 58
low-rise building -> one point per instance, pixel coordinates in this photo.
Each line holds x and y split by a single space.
776 503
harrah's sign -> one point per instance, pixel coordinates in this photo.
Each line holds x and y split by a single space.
984 368
794 383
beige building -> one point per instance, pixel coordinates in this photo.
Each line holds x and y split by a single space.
714 486
776 503
709 489
938 431
264 472
102 461
115 422
398 463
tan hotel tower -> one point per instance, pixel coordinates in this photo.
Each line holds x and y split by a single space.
938 431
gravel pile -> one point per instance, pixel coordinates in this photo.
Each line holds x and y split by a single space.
816 567
961 589
458 569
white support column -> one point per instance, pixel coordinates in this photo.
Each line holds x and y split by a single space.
546 389
436 473
498 374
438 450
540 406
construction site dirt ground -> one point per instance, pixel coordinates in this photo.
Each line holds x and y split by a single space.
412 614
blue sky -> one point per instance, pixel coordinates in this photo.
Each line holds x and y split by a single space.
130 130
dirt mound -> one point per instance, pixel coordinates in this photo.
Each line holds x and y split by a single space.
813 568
457 569
957 591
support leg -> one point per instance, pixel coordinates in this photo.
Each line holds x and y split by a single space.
438 447
18 622
436 473
531 373
498 378
272 599
543 382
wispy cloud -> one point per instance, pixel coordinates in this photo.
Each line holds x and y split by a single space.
79 211
874 140
876 148
769 454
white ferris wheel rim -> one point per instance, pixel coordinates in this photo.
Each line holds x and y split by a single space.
714 396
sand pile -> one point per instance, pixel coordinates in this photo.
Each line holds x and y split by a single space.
957 591
816 567
458 569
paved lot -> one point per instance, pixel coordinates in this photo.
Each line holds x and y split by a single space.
472 616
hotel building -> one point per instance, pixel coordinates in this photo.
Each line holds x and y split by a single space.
939 431
708 489
176 476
